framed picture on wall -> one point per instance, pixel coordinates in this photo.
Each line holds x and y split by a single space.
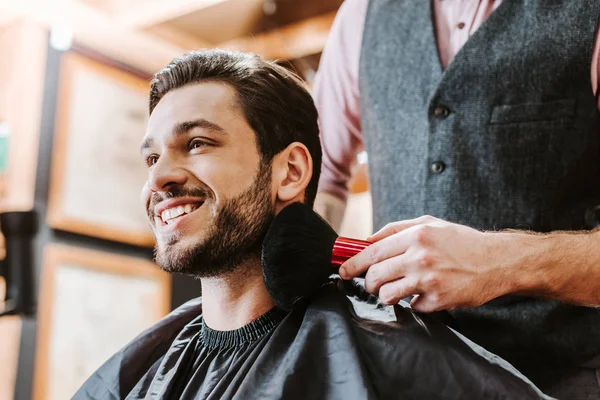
97 173
91 304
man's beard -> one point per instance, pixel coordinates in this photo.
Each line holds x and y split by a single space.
236 236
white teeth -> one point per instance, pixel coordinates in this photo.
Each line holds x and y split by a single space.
172 213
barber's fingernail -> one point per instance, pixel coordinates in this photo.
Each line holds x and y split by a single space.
342 272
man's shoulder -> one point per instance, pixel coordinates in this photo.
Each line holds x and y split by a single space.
405 349
348 304
171 324
122 371
190 308
352 296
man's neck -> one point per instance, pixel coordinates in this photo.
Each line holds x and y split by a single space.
234 300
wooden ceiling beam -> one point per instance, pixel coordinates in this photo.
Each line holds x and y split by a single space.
178 37
151 13
290 42
142 50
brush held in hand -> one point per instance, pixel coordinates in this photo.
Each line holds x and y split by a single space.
300 252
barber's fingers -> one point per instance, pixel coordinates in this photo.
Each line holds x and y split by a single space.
399 226
375 253
393 292
426 304
385 271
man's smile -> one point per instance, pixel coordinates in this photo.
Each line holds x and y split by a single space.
172 211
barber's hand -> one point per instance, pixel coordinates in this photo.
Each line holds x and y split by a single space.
446 265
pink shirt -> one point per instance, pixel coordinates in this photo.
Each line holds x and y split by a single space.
336 84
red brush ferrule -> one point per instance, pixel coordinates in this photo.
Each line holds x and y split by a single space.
345 248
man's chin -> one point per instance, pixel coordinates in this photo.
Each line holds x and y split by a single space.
172 255
178 242
172 262
199 261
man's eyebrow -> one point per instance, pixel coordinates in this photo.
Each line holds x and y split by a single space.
184 127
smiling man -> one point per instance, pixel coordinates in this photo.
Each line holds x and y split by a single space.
214 184
232 140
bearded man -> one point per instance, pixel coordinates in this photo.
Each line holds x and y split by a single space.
231 141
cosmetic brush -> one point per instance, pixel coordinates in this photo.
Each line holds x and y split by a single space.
299 253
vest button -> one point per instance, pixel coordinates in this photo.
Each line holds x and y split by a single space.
441 112
438 167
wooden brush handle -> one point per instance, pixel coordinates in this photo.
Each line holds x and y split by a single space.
345 248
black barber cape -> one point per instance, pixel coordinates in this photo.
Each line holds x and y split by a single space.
341 344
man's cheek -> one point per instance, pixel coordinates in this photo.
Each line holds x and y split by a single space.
145 196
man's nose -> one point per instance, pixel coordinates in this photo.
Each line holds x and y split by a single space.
165 174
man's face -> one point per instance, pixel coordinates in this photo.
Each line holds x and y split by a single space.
209 197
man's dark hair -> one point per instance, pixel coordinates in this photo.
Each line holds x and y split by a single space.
274 100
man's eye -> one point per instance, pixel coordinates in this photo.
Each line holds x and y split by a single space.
197 144
151 160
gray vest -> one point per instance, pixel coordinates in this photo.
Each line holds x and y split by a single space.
508 136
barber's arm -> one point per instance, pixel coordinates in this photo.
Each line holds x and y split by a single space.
336 96
449 265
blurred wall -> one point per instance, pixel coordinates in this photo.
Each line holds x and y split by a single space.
183 288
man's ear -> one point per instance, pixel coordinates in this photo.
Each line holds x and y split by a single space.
292 171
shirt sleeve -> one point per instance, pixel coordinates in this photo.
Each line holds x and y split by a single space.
336 96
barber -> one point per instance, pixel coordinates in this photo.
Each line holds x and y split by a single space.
481 120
